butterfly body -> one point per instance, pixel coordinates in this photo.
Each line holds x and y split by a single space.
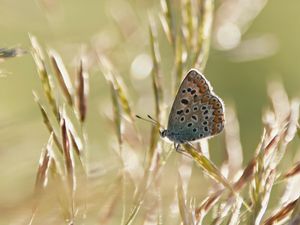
197 112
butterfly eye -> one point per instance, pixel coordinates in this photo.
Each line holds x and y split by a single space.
163 133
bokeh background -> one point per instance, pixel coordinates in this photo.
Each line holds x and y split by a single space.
262 46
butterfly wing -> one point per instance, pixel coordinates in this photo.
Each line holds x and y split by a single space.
197 112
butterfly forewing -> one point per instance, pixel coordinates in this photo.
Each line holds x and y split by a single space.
197 112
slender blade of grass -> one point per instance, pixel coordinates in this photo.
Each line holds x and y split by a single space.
184 212
208 166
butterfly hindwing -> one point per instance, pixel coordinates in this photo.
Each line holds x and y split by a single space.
197 112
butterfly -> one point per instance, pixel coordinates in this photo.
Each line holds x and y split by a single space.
197 112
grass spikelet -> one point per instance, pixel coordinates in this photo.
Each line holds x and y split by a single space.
206 205
295 217
204 34
246 176
262 200
62 75
188 21
157 89
41 177
39 59
47 122
81 92
156 82
281 214
235 217
167 20
67 153
295 170
69 167
112 76
117 114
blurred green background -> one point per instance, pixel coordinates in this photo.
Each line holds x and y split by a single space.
120 29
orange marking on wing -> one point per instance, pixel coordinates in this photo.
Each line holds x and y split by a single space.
215 129
205 99
216 104
203 88
218 119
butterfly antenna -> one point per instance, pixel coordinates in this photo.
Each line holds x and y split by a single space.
147 120
150 120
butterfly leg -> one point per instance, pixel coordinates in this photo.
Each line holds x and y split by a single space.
176 146
181 150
